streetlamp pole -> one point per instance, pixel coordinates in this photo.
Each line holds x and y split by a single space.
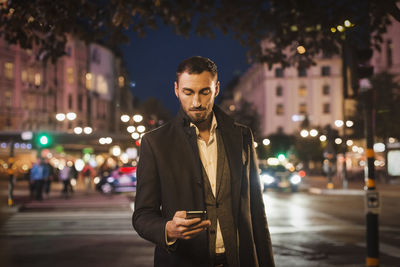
11 175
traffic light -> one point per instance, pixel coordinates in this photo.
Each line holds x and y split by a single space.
281 157
362 70
43 140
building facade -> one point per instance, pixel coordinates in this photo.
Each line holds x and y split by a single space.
88 81
285 97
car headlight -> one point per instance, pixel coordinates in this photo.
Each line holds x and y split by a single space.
267 179
295 179
96 180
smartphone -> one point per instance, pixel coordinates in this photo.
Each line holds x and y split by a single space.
202 214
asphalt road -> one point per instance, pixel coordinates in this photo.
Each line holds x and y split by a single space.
94 230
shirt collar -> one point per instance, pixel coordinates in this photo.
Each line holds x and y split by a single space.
214 125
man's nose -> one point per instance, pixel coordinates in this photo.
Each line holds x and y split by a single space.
196 101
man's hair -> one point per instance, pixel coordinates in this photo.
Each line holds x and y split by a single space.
196 65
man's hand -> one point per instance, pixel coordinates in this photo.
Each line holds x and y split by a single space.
181 228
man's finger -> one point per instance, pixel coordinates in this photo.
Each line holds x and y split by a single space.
192 233
202 225
189 222
180 214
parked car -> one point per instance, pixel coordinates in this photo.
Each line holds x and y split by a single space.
278 177
120 180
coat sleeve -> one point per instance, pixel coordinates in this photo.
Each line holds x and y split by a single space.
261 233
147 219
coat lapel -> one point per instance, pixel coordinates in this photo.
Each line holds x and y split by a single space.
190 154
233 142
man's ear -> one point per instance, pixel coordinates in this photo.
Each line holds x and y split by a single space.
217 89
176 89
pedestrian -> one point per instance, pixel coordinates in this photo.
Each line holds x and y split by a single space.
88 172
48 175
201 161
37 180
64 176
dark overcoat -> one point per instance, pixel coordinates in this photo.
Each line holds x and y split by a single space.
169 179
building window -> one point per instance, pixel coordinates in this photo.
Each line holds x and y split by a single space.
279 109
9 70
70 75
80 99
325 71
302 72
70 101
8 99
279 72
279 90
89 81
303 109
24 76
389 53
121 81
302 90
326 89
327 108
38 79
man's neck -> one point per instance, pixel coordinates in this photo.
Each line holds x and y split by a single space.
205 127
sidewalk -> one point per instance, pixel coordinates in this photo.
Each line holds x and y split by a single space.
318 185
78 200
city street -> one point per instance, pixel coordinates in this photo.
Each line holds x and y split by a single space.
95 230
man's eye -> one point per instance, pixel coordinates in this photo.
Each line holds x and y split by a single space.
205 92
187 92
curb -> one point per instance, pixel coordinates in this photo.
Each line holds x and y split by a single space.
340 192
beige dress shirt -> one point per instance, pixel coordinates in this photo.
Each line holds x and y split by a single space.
209 157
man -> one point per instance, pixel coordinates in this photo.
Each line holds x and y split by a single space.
48 176
202 160
36 179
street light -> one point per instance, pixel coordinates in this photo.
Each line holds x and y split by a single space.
137 118
304 133
266 142
60 116
349 142
339 123
313 132
338 141
349 123
131 129
322 138
125 118
135 135
78 130
88 130
71 116
141 128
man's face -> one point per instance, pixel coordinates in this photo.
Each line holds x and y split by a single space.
196 93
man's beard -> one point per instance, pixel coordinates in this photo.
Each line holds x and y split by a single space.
197 118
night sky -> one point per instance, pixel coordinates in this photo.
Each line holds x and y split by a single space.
152 61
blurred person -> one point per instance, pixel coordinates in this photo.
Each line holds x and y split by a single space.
37 180
64 175
48 175
88 173
201 161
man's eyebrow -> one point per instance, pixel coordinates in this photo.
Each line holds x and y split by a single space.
189 89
